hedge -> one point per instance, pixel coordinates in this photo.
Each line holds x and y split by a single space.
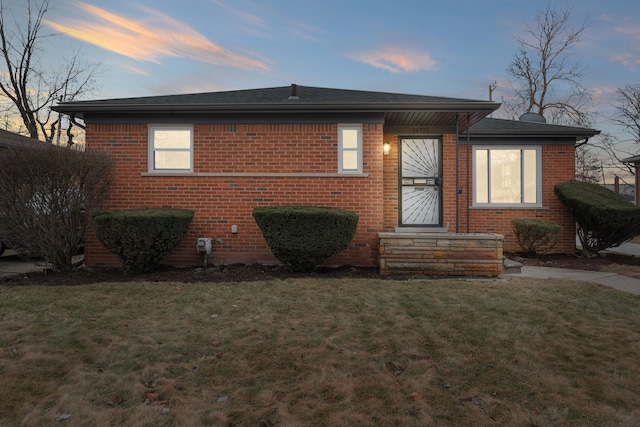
604 218
305 236
141 238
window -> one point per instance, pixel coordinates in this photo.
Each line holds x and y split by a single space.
170 148
350 148
507 176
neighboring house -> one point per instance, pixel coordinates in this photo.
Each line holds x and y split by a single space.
13 140
405 163
628 191
635 161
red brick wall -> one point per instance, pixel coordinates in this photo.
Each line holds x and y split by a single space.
223 201
557 166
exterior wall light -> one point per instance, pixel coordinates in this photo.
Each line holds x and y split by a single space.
386 148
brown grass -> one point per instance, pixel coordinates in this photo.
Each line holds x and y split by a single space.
624 270
320 352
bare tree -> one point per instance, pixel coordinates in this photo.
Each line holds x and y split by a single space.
627 111
588 166
29 86
47 198
546 80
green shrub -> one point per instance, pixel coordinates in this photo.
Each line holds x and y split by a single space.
141 238
604 218
534 236
305 236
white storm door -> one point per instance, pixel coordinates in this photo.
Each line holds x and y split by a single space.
420 182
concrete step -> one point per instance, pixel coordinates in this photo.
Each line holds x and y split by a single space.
510 266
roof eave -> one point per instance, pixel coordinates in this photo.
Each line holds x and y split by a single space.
578 133
79 109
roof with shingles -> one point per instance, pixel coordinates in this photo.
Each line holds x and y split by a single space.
281 96
14 140
501 127
396 108
633 159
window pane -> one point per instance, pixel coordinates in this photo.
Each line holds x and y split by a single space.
482 176
350 160
171 138
530 176
172 160
505 176
349 138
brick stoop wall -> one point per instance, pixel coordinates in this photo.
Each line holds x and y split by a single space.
440 254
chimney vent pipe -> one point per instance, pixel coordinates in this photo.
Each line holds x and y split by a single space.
294 92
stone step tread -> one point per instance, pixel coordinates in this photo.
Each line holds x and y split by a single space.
509 266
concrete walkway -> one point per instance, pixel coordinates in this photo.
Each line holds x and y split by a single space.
11 263
612 280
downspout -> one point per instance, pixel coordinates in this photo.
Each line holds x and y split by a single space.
584 141
457 178
468 170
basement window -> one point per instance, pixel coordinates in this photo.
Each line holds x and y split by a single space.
507 177
170 148
350 149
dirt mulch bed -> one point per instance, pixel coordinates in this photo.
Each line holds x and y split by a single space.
576 262
256 272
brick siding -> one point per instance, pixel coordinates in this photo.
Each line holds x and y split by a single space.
305 149
557 166
223 201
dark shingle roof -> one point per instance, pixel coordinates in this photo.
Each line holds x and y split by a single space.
500 127
279 96
633 159
398 108
13 140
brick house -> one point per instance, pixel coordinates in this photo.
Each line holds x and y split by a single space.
405 164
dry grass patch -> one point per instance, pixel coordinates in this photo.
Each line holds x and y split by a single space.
624 270
320 352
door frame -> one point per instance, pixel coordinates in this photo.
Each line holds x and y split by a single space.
440 171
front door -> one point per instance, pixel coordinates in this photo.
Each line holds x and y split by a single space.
420 182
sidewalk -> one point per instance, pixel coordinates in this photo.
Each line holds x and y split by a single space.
612 280
11 263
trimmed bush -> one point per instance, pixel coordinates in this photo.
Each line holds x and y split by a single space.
604 218
303 237
141 238
534 236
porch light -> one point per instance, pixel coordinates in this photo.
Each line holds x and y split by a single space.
386 148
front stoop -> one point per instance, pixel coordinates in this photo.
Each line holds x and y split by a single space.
440 254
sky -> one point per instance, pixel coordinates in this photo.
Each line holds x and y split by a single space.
453 48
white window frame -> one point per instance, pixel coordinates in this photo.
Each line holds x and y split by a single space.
489 148
152 149
342 149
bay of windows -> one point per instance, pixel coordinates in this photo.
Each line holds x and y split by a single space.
507 176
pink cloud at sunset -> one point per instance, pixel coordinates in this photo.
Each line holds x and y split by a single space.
397 60
150 38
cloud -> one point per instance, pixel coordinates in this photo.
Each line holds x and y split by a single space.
632 32
397 59
627 59
151 38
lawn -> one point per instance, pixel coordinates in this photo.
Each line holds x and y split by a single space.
320 352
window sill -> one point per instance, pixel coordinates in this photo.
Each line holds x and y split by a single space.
259 175
512 207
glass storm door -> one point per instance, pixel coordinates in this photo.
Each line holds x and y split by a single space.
420 182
